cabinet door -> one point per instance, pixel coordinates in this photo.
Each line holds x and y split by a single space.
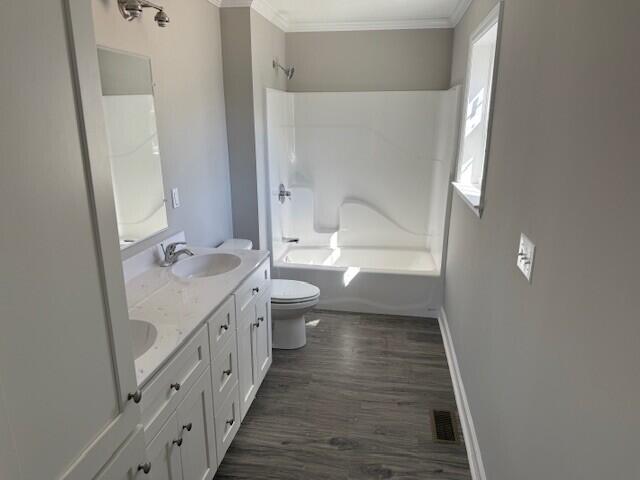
164 454
247 377
262 332
197 431
227 423
128 461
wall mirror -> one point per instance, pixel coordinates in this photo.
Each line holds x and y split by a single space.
134 151
475 130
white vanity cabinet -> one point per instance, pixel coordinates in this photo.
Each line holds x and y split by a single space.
124 464
224 352
196 431
193 407
185 447
253 313
263 330
162 395
164 454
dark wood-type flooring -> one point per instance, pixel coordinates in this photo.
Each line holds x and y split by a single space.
355 403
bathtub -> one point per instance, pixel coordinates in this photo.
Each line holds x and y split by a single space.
393 281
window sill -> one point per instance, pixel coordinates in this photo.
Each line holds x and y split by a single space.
471 196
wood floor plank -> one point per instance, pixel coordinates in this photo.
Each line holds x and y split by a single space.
354 404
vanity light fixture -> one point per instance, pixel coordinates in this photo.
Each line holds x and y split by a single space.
132 9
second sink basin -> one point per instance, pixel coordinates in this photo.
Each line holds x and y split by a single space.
144 336
202 266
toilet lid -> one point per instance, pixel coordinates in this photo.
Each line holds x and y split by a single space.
292 291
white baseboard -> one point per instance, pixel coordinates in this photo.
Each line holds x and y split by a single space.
468 429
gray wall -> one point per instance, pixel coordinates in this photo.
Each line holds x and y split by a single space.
186 60
267 43
249 44
370 60
551 368
238 81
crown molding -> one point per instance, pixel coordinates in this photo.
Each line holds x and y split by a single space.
235 3
460 10
375 25
264 8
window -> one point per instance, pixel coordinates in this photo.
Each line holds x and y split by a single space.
478 105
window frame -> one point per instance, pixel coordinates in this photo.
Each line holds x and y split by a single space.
470 194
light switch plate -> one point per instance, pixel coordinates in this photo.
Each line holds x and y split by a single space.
175 198
526 256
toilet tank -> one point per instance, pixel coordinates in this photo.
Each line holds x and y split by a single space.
236 244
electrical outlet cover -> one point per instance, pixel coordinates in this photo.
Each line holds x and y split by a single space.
526 256
175 197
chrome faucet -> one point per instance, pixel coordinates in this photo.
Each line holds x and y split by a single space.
171 255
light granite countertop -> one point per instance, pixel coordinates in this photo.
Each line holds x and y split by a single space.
178 307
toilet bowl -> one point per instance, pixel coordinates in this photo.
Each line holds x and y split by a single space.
290 300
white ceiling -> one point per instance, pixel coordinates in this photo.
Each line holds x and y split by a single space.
333 15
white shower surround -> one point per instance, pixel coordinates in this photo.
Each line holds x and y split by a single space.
369 174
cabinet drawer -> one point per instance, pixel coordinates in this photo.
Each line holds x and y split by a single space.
227 423
222 325
252 286
170 385
224 372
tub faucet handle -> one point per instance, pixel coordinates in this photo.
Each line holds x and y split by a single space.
283 193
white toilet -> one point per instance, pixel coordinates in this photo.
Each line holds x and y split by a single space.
290 300
236 244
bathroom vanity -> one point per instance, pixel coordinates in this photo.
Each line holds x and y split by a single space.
203 347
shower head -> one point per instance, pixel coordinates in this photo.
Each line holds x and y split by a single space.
289 71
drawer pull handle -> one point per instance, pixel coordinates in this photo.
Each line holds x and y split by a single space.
175 386
257 324
224 327
178 442
187 427
145 467
256 290
135 396
227 372
231 422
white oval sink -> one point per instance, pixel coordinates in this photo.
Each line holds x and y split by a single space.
202 266
144 336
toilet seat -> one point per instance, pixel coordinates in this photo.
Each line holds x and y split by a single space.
284 292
